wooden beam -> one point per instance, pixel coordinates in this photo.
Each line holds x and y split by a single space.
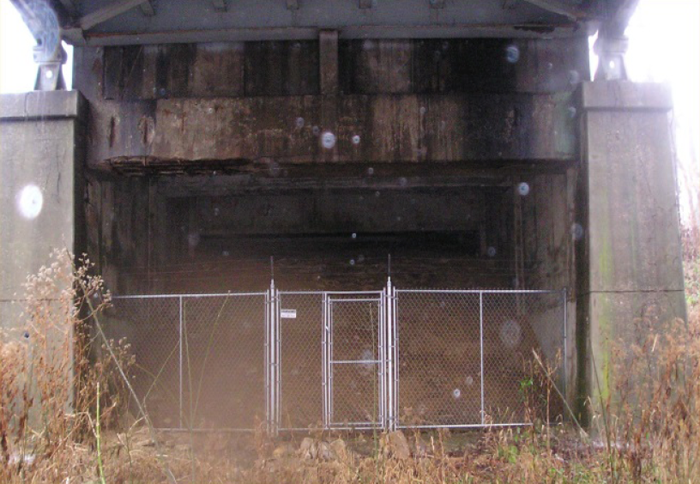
367 129
328 60
219 5
106 13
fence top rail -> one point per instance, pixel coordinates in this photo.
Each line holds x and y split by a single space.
341 293
333 293
190 296
479 291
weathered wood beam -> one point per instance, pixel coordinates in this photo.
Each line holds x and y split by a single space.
368 129
103 14
328 59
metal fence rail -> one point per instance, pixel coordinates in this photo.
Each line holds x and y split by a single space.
295 360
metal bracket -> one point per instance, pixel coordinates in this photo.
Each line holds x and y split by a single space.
611 58
43 23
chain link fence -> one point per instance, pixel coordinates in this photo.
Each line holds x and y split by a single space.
200 359
340 360
465 358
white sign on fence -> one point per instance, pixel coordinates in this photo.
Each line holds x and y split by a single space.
288 313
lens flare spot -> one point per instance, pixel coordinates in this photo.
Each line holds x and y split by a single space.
30 201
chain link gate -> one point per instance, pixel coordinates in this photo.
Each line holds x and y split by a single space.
298 360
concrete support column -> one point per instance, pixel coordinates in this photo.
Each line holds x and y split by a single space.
41 187
629 266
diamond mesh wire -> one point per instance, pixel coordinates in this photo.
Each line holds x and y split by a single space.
301 361
224 361
332 355
440 354
215 377
151 326
355 364
438 358
515 325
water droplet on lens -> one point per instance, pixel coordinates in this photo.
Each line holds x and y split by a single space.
26 334
328 140
361 258
225 253
456 393
352 262
512 54
193 239
274 169
315 130
574 77
523 189
469 381
422 110
510 333
572 112
216 211
370 171
356 140
354 235
30 201
577 231
377 194
403 182
491 251
299 122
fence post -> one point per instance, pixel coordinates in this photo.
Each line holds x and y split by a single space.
481 351
272 360
181 340
268 413
278 361
389 356
566 351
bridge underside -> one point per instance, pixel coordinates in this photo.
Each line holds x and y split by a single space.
467 143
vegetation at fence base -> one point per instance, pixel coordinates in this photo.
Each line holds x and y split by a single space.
648 430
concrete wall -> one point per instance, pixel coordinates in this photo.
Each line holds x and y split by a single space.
629 265
41 186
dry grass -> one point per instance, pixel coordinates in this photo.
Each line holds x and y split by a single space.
648 433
